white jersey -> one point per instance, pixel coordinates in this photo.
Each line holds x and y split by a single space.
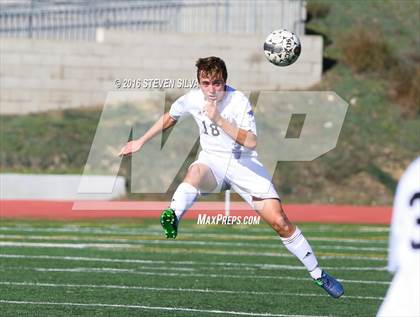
402 298
405 228
235 107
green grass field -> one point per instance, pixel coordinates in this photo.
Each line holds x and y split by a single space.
126 268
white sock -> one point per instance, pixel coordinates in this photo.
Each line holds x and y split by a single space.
183 198
299 246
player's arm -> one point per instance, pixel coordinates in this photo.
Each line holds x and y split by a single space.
241 136
164 122
244 137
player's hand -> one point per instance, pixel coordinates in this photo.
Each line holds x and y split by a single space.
210 109
131 147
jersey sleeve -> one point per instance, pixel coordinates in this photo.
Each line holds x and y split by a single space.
179 108
245 116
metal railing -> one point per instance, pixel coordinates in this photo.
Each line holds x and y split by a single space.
76 19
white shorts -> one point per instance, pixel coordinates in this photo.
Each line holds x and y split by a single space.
247 176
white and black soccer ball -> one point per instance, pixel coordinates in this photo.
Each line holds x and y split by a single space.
282 47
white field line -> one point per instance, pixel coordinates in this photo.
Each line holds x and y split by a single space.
194 290
177 251
239 229
374 240
188 233
120 270
215 265
139 272
185 242
319 228
210 311
372 229
70 245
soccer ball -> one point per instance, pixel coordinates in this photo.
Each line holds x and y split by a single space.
282 47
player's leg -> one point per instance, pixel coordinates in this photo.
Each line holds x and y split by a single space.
272 212
199 179
250 179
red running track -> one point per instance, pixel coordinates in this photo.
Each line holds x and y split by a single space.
69 210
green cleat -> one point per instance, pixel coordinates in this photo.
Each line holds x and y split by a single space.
169 223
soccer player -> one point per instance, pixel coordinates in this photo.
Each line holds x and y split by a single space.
403 297
228 139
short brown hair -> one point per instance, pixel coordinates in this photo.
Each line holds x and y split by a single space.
211 66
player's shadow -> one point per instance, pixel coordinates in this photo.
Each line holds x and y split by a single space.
383 177
255 168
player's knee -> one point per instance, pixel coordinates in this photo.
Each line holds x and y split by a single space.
194 169
283 226
193 176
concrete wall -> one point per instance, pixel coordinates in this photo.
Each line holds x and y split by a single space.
39 75
59 187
